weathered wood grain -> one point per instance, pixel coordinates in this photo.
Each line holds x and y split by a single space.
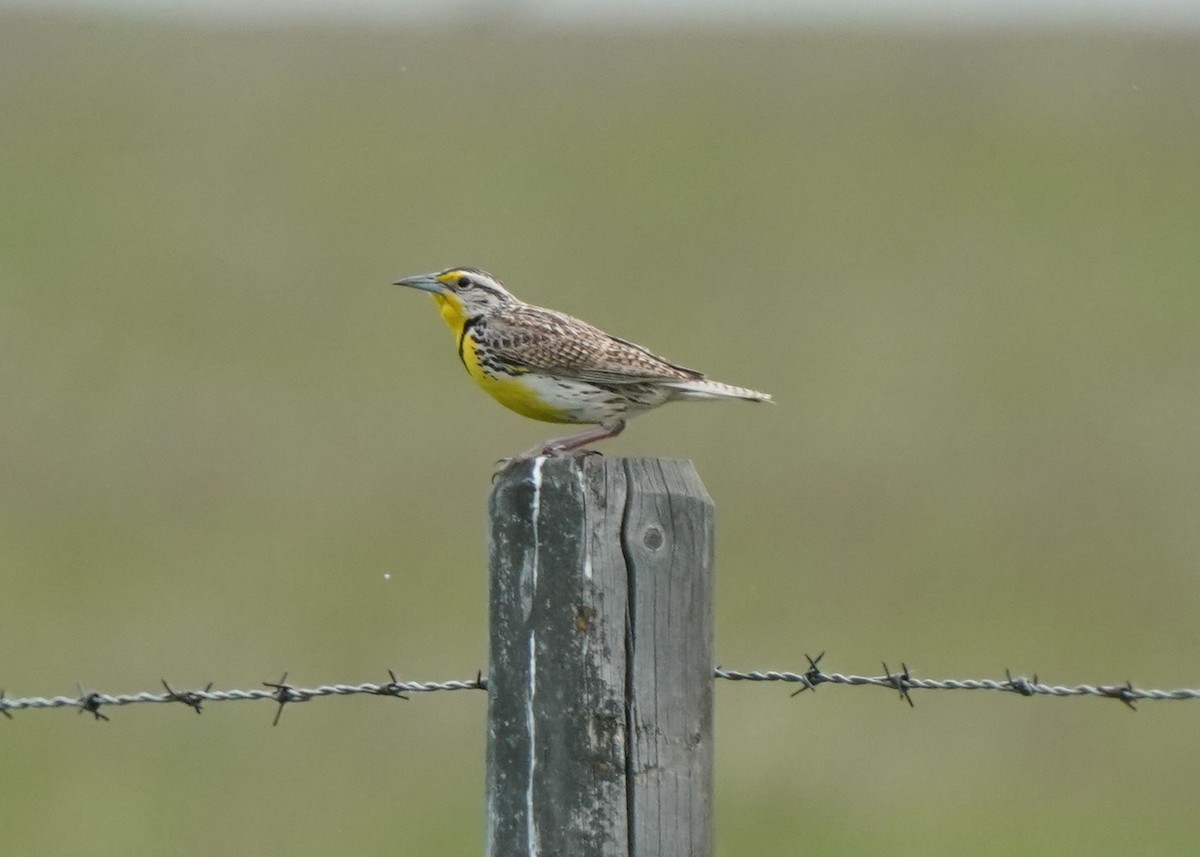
600 665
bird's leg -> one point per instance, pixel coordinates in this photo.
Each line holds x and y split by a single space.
574 443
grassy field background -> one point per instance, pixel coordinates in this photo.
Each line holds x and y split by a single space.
966 265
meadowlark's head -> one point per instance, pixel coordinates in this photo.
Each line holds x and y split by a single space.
462 293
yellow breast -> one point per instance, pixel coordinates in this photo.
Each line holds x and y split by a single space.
516 392
519 393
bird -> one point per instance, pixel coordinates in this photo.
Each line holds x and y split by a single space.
553 367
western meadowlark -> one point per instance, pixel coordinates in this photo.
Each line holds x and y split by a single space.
549 366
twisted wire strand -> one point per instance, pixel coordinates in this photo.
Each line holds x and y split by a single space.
283 693
279 692
811 679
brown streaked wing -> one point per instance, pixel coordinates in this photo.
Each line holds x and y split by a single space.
547 341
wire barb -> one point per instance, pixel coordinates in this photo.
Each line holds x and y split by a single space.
91 702
811 676
284 693
1124 692
900 681
1020 684
392 688
190 698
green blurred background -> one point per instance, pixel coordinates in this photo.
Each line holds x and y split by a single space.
965 264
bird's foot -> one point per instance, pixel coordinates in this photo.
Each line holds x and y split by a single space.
544 451
551 450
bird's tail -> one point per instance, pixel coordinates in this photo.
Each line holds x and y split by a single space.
705 389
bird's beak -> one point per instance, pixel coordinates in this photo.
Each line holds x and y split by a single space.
424 282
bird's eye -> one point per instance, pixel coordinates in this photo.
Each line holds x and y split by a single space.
465 282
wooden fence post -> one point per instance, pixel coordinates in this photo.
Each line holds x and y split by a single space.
600 675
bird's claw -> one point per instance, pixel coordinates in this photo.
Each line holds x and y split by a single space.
545 451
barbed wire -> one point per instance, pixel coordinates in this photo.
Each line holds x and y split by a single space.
903 682
279 692
283 694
